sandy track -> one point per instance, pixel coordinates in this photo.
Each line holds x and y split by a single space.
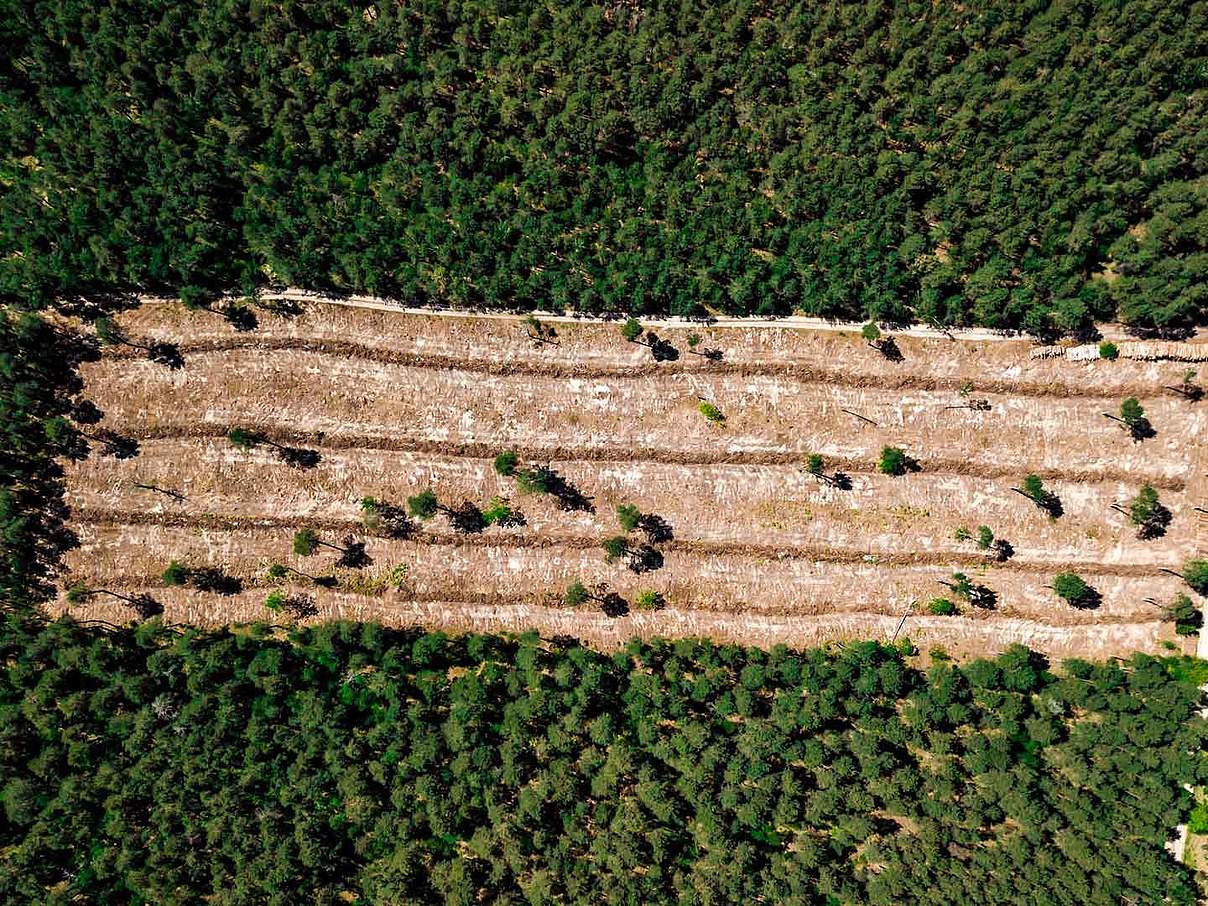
762 552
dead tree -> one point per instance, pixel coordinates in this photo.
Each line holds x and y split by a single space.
865 419
175 495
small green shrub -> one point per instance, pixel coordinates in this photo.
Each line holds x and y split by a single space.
648 600
506 462
985 537
1071 588
1195 574
1109 350
941 607
423 505
176 574
894 461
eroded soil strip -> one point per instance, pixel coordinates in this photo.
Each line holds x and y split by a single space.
688 364
603 453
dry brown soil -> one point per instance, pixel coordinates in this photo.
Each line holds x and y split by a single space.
762 552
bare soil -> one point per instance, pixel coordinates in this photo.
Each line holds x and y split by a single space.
761 551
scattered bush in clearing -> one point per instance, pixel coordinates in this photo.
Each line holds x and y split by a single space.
534 481
1188 388
576 594
1188 619
1033 488
1132 418
615 548
423 505
1109 350
629 516
297 606
506 463
978 595
814 464
649 600
710 412
243 439
176 574
538 331
500 512
306 542
1195 574
381 518
144 606
1074 590
941 607
1148 514
895 462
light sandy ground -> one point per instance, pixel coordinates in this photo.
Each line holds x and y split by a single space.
762 551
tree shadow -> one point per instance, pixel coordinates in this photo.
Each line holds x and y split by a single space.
1140 429
1050 503
1088 334
85 412
1002 550
644 559
569 497
353 555
657 528
145 607
1090 599
841 481
286 308
214 579
983 597
467 519
613 605
393 522
1157 523
167 354
240 317
888 347
299 458
1170 332
660 349
326 581
117 445
300 606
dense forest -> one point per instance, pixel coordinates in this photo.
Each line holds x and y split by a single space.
350 764
1017 164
